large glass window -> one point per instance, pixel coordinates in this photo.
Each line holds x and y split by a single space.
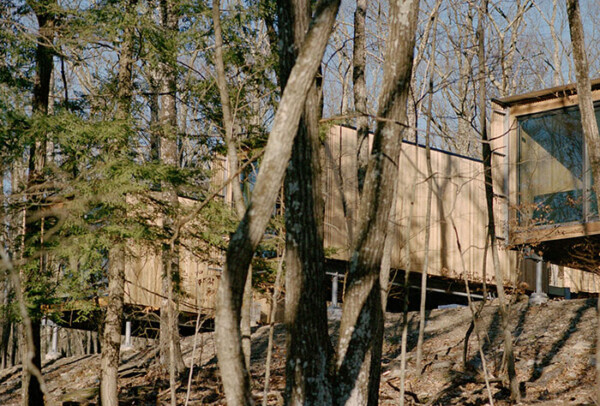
554 176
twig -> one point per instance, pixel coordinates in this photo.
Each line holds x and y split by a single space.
189 384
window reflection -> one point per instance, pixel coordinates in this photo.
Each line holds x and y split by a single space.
554 176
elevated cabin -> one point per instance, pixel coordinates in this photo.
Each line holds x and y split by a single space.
458 211
545 177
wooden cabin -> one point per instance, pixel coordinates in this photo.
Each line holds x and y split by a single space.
458 212
458 202
545 176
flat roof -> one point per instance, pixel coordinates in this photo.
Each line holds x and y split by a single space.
544 94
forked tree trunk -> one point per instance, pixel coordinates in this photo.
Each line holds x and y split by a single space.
362 309
250 231
589 124
309 348
509 356
111 334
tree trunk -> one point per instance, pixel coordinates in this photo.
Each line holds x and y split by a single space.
589 124
169 333
509 356
250 231
362 310
111 336
44 11
354 186
232 161
309 348
430 185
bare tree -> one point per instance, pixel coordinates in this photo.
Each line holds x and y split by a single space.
309 349
509 356
589 123
244 242
232 161
362 313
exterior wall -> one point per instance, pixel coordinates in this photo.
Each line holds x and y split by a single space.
199 276
458 198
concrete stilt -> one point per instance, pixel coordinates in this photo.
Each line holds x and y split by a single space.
53 352
127 345
538 297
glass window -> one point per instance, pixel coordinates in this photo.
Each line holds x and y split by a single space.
554 179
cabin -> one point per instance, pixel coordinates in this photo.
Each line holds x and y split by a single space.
543 199
545 177
458 215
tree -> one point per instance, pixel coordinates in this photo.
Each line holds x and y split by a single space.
251 229
362 313
309 349
588 122
111 336
509 356
45 14
232 162
169 156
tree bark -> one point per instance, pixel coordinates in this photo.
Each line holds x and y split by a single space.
589 124
359 58
251 229
362 310
309 349
509 356
233 166
44 11
111 334
169 333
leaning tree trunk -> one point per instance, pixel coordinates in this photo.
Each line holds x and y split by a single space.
509 356
111 334
362 309
309 349
589 124
250 231
233 166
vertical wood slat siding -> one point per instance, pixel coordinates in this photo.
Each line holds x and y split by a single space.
459 192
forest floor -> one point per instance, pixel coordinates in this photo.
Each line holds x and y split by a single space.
554 348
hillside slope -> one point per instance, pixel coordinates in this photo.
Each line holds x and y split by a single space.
554 348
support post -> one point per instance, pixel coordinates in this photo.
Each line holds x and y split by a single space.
127 346
334 290
53 353
538 297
